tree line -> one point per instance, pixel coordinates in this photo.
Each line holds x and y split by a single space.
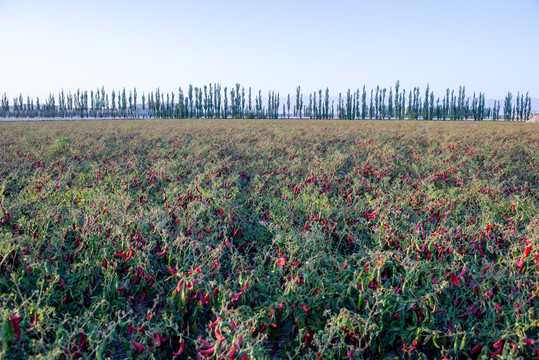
215 101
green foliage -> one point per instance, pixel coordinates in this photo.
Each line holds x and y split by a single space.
268 239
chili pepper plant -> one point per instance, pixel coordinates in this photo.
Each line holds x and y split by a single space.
253 239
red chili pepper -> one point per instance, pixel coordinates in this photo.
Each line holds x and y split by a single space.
157 339
137 330
218 335
214 324
206 343
208 351
130 254
163 252
36 319
520 266
15 323
143 295
121 254
180 350
477 348
307 339
138 346
480 249
454 281
527 251
498 344
497 352
232 352
305 308
50 258
470 311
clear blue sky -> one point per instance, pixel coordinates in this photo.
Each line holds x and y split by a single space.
485 45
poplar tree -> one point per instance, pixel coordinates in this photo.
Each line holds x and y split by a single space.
402 104
172 106
462 112
390 104
371 109
190 100
299 102
507 106
233 103
206 101
242 109
320 105
358 105
210 102
135 102
348 105
225 106
104 99
376 102
313 105
426 106
237 104
364 103
522 107
217 100
5 105
158 102
518 113
287 102
397 105
529 109
113 99
180 104
431 106
410 104
277 102
250 114
354 104
383 103
131 103
326 104
143 103
259 106
124 101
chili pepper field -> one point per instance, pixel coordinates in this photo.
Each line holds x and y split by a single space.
257 239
